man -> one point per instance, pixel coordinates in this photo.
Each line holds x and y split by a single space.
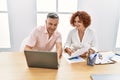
45 37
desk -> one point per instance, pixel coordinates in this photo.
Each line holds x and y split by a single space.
13 66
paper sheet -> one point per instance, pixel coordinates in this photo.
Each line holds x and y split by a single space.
79 59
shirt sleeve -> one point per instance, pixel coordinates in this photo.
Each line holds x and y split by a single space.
32 38
69 40
59 39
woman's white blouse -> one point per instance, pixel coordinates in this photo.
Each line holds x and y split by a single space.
88 41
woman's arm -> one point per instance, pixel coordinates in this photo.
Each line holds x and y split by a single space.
68 44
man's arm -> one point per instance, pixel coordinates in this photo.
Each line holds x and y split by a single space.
27 47
59 49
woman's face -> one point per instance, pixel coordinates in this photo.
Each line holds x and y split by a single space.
78 23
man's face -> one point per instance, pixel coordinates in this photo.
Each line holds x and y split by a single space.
51 25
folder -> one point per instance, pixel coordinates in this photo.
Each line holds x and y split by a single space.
105 76
105 58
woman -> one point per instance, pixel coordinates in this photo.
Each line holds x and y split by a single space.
81 39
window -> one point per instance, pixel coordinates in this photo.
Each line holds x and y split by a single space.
64 11
4 28
118 37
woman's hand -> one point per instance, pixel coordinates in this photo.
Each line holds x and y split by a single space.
84 55
91 51
69 51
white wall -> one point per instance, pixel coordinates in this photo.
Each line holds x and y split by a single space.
22 18
104 13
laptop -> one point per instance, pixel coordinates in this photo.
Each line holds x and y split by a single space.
41 59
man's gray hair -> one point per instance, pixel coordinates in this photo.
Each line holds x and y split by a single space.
53 15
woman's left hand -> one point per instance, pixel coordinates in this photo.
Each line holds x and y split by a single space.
91 51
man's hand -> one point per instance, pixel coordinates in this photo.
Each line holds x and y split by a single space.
27 47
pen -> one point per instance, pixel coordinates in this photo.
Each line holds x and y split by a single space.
73 58
95 55
117 54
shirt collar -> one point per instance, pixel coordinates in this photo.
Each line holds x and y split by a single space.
45 31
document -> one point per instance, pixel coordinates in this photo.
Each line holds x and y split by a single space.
79 52
73 59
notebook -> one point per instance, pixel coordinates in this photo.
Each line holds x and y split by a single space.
41 59
105 76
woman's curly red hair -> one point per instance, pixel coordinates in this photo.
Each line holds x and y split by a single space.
83 16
